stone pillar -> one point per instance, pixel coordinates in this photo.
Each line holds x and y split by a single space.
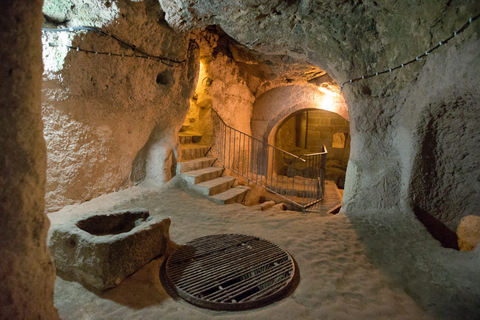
26 272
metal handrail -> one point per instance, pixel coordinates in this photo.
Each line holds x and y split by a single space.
315 154
298 180
252 137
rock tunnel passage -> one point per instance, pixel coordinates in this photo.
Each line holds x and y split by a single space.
230 272
108 124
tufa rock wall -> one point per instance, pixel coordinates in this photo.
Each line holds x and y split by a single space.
394 116
221 86
112 121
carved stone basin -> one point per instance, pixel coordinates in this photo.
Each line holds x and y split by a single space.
101 250
116 223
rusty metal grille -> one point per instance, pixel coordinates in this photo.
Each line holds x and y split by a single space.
230 272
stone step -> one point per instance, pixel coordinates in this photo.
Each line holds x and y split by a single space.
198 176
195 164
215 186
192 151
185 127
189 137
232 195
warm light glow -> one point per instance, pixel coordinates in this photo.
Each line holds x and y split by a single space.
327 92
201 76
327 103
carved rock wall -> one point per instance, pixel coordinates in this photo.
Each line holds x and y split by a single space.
112 121
392 116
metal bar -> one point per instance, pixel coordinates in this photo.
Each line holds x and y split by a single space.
227 266
260 158
312 154
256 161
230 150
310 179
222 146
230 268
248 159
316 177
288 170
234 151
276 167
243 151
307 179
306 128
224 150
267 290
271 166
262 164
238 287
245 139
283 164
314 180
211 248
212 262
312 203
294 174
304 193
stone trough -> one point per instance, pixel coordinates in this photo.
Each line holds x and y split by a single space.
102 250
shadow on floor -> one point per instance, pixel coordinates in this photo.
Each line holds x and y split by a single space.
140 290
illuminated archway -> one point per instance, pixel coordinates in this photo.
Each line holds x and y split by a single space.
277 104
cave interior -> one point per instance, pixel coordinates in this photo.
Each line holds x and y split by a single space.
126 106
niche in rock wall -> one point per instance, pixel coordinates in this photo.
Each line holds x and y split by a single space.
445 179
165 78
307 131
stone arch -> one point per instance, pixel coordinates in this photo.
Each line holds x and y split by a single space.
275 105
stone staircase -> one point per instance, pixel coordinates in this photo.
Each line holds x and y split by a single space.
196 166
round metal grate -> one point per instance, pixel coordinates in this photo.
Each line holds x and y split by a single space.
230 272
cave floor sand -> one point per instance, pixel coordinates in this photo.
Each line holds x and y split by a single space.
374 265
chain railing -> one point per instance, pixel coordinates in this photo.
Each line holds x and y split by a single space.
298 179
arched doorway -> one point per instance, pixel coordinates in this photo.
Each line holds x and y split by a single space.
323 102
308 131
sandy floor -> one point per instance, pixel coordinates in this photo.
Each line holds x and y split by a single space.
369 265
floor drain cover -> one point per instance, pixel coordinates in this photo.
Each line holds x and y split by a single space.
230 272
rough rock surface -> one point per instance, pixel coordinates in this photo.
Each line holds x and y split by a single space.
468 233
394 117
221 86
26 272
233 76
102 250
111 121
